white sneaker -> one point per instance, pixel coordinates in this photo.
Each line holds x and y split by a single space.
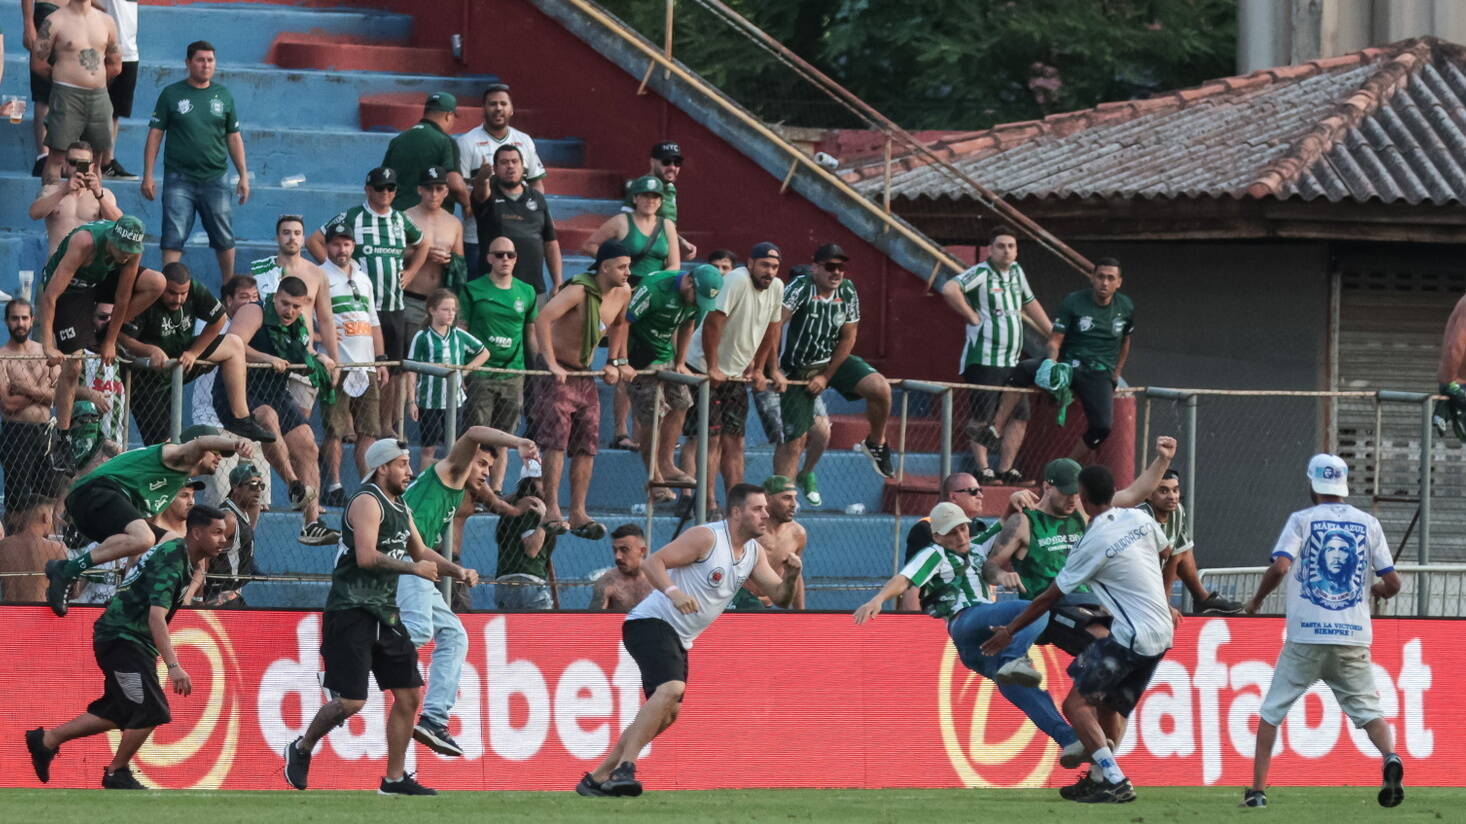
1019 671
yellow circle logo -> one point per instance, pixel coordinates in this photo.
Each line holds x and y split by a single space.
991 748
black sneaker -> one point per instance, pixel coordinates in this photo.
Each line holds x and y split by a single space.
41 757
1393 791
1253 798
297 765
988 437
248 427
58 587
407 785
1215 604
1010 477
120 780
114 170
1105 792
299 493
435 737
623 781
1084 786
316 533
591 788
335 496
880 458
61 457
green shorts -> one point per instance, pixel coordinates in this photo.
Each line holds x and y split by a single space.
79 114
796 406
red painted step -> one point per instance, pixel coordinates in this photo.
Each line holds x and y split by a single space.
395 111
918 494
293 50
922 434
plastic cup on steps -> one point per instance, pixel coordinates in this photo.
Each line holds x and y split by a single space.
292 182
855 509
16 103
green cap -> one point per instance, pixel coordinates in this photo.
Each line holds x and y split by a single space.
245 471
774 484
1063 475
707 282
441 102
198 430
84 409
645 185
127 235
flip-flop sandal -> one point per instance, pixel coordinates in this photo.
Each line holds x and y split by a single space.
590 531
625 442
557 527
663 496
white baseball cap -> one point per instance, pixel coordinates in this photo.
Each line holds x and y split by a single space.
1328 475
384 452
947 516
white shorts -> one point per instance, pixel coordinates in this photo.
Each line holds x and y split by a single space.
302 392
1345 668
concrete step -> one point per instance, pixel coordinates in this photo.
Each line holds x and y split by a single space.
395 111
294 50
917 494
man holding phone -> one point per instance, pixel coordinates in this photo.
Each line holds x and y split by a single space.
77 198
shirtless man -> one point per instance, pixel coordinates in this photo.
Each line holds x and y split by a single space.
173 518
288 262
77 50
77 198
572 405
784 538
624 585
28 548
26 389
442 233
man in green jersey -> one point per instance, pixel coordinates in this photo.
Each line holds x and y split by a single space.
112 504
1091 334
1164 505
436 498
994 297
954 582
127 640
426 144
96 263
362 633
822 312
664 311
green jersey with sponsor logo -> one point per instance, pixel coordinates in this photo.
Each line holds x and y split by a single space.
1093 334
158 579
998 298
373 590
433 505
497 317
95 270
657 310
197 123
381 249
815 322
141 473
949 582
1050 537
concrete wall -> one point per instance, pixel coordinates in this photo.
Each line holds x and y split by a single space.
1285 32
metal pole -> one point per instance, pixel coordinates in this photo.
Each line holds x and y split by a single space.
946 432
450 429
1191 459
175 401
654 465
704 399
1427 446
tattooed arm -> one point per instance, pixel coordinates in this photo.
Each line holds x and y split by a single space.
41 52
113 56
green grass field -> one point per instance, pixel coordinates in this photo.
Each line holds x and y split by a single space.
1292 805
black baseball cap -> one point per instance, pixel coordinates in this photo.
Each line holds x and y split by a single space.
765 249
667 150
336 230
610 249
381 176
830 251
433 175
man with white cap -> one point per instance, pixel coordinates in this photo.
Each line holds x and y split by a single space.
1335 546
362 631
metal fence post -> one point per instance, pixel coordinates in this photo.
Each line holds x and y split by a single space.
704 399
1192 447
450 437
946 462
1427 446
175 401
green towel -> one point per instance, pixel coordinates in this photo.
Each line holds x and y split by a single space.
591 333
293 344
1055 378
455 274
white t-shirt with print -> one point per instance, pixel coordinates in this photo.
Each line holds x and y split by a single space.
749 314
476 148
1119 557
1334 548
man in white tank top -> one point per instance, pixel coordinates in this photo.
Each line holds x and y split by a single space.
693 580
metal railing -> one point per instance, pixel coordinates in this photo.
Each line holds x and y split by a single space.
1427 590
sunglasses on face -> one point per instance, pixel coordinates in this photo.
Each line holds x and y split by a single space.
505 255
972 490
676 161
390 187
253 484
834 266
77 161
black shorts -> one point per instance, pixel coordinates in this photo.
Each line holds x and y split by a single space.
121 89
132 698
355 642
657 651
432 426
1094 390
984 403
262 388
394 335
727 411
75 321
1109 674
100 509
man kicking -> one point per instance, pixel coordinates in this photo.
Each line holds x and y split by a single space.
954 588
693 580
114 502
436 498
127 640
362 631
1329 632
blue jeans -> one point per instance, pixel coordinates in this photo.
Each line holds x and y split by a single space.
970 628
532 593
427 618
211 200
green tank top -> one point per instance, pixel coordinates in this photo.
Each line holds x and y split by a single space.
375 591
645 261
1050 537
93 271
141 473
433 504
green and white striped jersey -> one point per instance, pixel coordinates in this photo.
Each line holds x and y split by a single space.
452 349
949 582
381 249
1177 527
814 326
998 299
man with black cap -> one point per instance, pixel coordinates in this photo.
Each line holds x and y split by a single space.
242 510
476 148
504 206
733 347
443 235
170 521
666 166
569 329
427 144
823 313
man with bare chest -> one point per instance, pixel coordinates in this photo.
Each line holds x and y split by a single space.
26 388
78 51
785 538
568 415
623 586
77 198
442 233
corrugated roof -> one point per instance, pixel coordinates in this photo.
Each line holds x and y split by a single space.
1385 124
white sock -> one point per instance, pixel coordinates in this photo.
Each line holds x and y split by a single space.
1109 767
1095 773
